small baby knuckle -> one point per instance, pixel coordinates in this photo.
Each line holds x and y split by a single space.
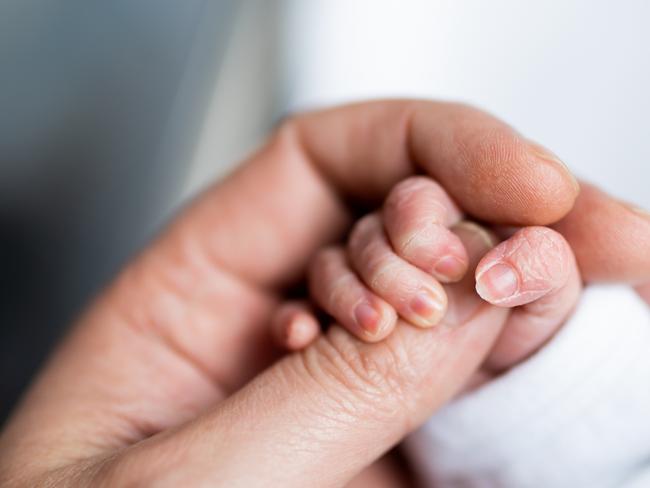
403 192
357 377
374 255
386 273
413 183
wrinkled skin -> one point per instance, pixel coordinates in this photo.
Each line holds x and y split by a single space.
168 377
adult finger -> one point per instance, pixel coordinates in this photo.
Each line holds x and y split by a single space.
610 238
358 153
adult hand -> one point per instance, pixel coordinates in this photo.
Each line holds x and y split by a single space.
611 239
149 385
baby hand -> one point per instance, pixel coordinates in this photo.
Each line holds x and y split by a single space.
396 261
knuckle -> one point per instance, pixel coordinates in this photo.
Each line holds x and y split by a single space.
403 193
415 219
410 191
416 184
375 379
339 291
373 256
386 275
382 270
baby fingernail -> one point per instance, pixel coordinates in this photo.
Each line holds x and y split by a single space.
429 307
497 283
450 267
367 317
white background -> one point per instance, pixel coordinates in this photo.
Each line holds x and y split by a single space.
574 75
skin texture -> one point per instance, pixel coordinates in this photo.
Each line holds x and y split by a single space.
605 252
168 377
534 270
547 288
416 217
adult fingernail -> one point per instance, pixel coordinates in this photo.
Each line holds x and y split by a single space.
497 283
546 155
367 317
450 268
429 307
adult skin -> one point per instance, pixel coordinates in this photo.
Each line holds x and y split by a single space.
153 385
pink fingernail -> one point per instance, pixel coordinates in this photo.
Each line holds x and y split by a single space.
497 283
450 267
429 307
367 317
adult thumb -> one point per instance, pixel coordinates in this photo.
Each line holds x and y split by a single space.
319 417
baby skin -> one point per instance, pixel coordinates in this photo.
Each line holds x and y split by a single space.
419 262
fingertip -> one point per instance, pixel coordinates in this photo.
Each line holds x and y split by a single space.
301 331
554 199
532 186
450 268
428 308
556 196
294 327
497 283
337 288
548 189
410 292
532 263
375 319
368 317
610 238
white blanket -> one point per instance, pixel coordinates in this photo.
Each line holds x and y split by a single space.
576 414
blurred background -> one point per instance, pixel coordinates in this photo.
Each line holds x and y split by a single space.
112 114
